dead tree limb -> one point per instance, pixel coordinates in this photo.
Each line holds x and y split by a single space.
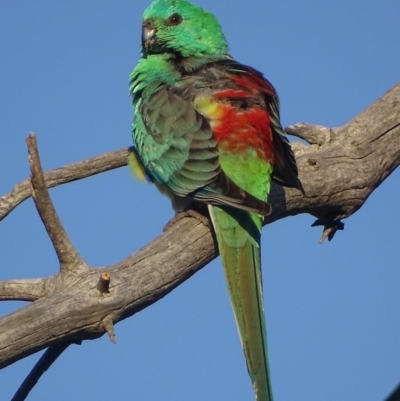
339 170
43 364
73 172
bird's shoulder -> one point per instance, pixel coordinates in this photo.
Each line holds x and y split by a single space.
248 91
250 86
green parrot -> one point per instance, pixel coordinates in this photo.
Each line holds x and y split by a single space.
207 130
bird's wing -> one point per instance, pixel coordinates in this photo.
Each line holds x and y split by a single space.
178 148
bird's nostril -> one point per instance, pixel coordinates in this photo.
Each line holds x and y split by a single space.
148 24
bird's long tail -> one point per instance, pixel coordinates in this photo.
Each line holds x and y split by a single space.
238 236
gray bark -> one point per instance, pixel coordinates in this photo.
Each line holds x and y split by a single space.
339 170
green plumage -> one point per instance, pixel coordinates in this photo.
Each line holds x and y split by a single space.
239 246
207 129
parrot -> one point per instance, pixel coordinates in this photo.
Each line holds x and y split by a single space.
207 131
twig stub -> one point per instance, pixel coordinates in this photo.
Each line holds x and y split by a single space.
103 284
108 326
330 228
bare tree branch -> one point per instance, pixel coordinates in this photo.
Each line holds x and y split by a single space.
395 396
78 312
43 364
338 174
70 260
23 290
76 171
313 134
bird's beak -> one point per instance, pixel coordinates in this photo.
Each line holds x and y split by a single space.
149 38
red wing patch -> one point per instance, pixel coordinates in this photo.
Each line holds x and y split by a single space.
255 82
231 93
238 130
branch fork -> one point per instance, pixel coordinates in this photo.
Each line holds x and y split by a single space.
337 176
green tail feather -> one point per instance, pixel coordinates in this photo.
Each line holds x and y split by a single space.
238 235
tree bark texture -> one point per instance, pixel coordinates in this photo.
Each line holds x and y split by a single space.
339 168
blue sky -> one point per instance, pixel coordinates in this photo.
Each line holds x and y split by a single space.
332 309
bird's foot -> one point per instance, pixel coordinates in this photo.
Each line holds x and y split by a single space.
187 213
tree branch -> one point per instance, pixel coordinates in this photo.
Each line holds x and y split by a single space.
23 290
43 364
313 134
338 175
76 171
68 256
78 312
395 396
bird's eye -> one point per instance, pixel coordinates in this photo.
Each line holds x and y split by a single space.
174 19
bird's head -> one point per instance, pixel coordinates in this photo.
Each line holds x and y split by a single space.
181 29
